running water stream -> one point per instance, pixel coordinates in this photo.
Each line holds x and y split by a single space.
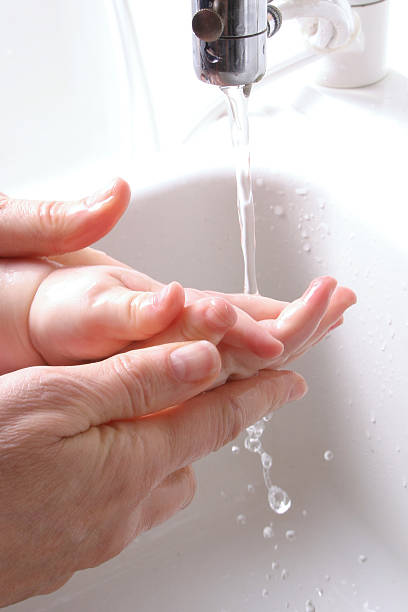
237 99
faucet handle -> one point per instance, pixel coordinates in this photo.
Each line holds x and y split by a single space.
207 25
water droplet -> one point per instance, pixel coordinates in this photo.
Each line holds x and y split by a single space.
405 483
319 591
257 429
284 574
268 417
268 532
309 606
251 489
290 535
275 565
322 204
268 577
304 512
302 191
362 559
235 450
306 217
265 593
266 461
276 547
287 605
279 500
254 445
373 419
328 455
307 247
279 211
241 519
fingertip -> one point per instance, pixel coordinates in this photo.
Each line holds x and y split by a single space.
195 362
176 292
104 209
320 288
219 314
351 296
267 346
120 188
299 387
171 298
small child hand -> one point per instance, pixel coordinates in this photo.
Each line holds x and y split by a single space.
297 325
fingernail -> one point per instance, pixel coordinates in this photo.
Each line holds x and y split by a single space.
101 196
194 362
220 314
298 391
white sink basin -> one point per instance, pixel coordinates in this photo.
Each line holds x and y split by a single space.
330 192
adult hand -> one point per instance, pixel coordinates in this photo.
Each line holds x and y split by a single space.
37 228
92 455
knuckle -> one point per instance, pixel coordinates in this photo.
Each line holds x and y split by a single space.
137 384
51 223
275 393
232 421
50 214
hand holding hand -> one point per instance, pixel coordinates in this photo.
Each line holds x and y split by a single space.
92 455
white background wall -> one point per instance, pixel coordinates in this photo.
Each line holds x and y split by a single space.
64 103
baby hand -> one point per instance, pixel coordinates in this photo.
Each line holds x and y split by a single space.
87 313
297 325
90 312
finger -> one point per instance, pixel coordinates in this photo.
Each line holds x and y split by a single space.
246 333
207 319
125 315
249 335
49 228
122 387
299 321
170 496
257 306
175 493
342 299
181 435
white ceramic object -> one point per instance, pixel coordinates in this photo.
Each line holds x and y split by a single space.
319 210
364 60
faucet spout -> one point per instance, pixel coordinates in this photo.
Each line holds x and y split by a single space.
230 38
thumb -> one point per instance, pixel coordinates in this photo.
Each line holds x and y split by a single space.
49 228
66 400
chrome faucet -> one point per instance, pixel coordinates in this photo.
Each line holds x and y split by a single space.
230 38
